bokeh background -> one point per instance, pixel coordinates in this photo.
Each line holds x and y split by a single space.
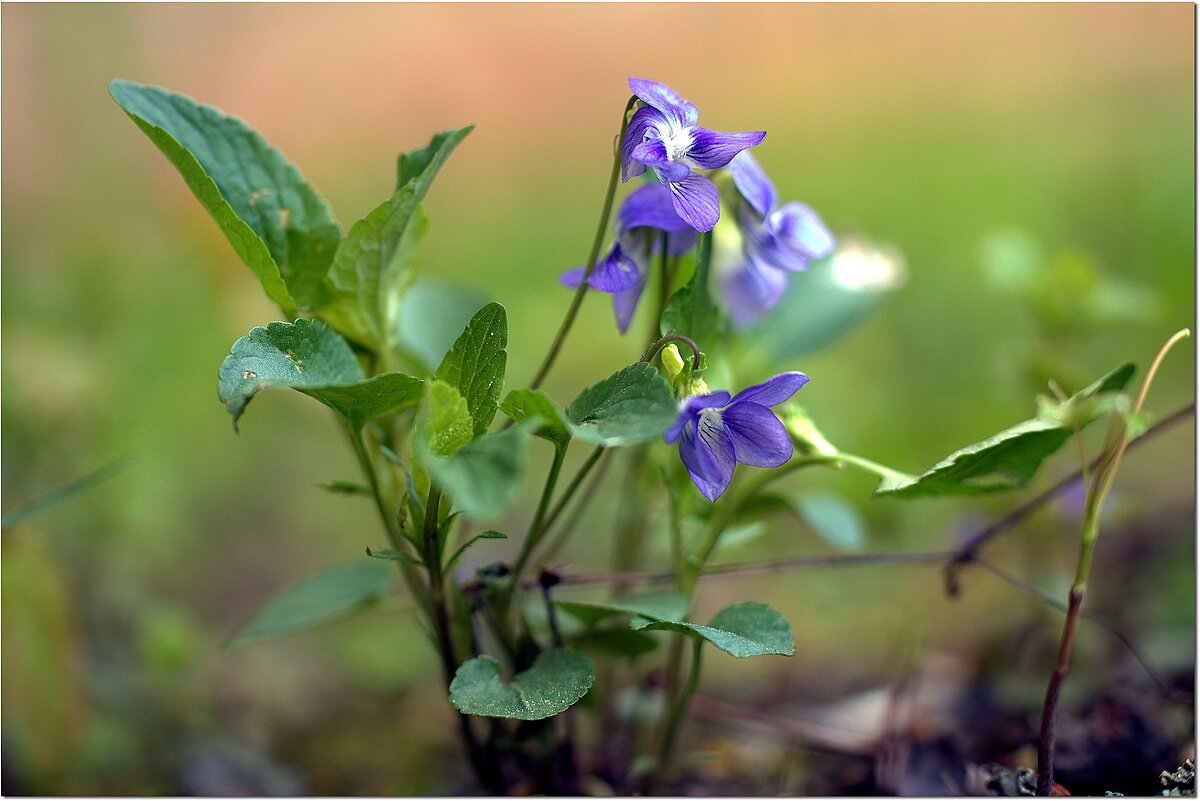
953 132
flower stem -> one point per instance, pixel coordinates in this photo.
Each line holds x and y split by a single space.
601 228
671 729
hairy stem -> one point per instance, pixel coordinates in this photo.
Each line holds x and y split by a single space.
590 265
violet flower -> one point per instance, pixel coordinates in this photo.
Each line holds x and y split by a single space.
715 431
623 272
776 240
663 134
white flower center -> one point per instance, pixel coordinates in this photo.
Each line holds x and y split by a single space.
677 140
709 418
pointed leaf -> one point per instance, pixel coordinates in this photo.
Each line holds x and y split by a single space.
484 476
533 404
310 357
557 680
745 629
278 224
421 165
632 405
475 364
336 593
1011 458
490 534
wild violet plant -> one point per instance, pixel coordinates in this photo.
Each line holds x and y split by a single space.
706 231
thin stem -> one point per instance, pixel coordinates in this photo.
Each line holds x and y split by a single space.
590 265
672 727
560 537
664 286
1101 485
576 480
654 347
536 529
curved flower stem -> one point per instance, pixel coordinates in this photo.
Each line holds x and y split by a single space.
605 213
657 345
536 529
1102 482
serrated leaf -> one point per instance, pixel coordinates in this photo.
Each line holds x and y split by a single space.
1011 458
633 405
446 423
309 356
745 629
668 606
333 594
833 520
533 404
556 680
691 310
475 364
278 224
484 476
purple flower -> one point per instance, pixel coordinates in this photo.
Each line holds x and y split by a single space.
663 134
776 240
716 431
623 272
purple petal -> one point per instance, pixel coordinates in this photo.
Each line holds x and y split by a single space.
672 172
572 277
752 290
650 206
616 272
764 248
800 229
665 99
625 303
652 152
712 149
753 183
708 455
759 438
689 409
696 200
774 390
642 120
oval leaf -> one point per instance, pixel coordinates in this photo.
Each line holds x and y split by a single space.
309 356
632 405
745 629
484 476
278 224
475 364
333 594
557 680
533 404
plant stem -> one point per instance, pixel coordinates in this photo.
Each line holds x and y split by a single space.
1102 482
601 228
671 730
576 480
536 529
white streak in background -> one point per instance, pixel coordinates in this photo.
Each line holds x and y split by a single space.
859 266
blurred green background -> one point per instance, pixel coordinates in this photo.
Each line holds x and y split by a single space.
959 134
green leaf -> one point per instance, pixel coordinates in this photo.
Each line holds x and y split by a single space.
475 364
371 270
309 356
432 315
278 224
620 642
485 475
80 484
834 520
422 164
389 555
657 606
533 404
490 534
557 680
1009 459
446 424
745 629
339 487
691 310
632 405
333 594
